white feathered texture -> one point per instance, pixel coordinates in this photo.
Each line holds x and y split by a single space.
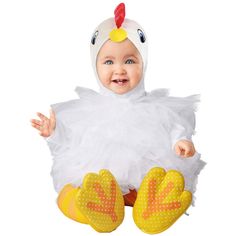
127 137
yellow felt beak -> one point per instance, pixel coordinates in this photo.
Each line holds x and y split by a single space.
118 35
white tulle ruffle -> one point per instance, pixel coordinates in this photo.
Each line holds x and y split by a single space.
126 136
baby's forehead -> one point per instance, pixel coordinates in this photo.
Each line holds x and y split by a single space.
125 47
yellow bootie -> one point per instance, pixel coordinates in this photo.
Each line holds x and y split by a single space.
66 202
161 200
101 201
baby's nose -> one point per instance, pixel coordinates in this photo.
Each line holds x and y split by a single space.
120 70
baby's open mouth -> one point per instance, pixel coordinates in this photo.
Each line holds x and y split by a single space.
120 81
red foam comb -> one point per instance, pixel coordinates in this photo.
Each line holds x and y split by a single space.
119 14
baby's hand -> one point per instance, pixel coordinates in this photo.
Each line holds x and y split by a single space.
46 125
184 148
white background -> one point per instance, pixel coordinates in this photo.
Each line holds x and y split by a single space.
44 55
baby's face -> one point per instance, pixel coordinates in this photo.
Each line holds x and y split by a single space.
119 66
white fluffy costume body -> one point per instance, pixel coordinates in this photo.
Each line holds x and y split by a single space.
127 134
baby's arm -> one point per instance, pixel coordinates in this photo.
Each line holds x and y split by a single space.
46 125
55 131
181 141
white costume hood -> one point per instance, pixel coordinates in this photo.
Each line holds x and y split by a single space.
118 29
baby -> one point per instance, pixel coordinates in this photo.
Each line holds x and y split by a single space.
119 68
139 142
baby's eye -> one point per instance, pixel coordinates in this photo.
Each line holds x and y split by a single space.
129 61
108 62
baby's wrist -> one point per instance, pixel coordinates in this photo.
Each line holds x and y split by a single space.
183 138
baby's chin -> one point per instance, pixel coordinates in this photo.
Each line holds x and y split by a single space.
120 90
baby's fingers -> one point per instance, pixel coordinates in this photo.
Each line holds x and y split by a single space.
42 116
36 124
185 150
191 152
178 150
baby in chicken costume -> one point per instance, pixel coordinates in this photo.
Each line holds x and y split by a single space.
123 145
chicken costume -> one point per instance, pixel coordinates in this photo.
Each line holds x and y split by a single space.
128 139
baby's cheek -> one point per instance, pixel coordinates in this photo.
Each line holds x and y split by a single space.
136 77
104 78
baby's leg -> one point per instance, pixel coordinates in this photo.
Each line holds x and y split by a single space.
66 202
130 198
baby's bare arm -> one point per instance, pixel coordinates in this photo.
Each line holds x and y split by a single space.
45 125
